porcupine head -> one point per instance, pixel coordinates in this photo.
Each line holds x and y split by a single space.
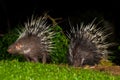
87 45
34 41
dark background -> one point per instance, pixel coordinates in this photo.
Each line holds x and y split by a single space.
14 12
17 12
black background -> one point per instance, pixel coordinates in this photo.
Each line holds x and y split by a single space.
17 12
14 12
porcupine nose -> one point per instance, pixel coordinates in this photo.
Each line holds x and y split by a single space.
9 50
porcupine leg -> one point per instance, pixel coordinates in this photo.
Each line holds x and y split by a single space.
82 61
27 58
78 62
31 58
44 58
34 59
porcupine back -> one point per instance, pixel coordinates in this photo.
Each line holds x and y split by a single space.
35 40
88 44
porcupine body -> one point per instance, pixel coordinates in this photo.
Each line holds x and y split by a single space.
88 45
35 40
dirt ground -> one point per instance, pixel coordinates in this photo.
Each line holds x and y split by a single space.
114 70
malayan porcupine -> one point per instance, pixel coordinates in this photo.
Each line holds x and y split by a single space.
35 40
88 45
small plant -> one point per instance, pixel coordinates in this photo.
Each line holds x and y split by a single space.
58 54
104 62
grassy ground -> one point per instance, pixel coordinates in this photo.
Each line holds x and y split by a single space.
14 70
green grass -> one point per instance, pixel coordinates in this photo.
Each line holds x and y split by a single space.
14 70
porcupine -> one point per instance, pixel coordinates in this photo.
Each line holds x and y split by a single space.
35 40
88 45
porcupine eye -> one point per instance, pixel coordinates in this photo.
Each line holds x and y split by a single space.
18 46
